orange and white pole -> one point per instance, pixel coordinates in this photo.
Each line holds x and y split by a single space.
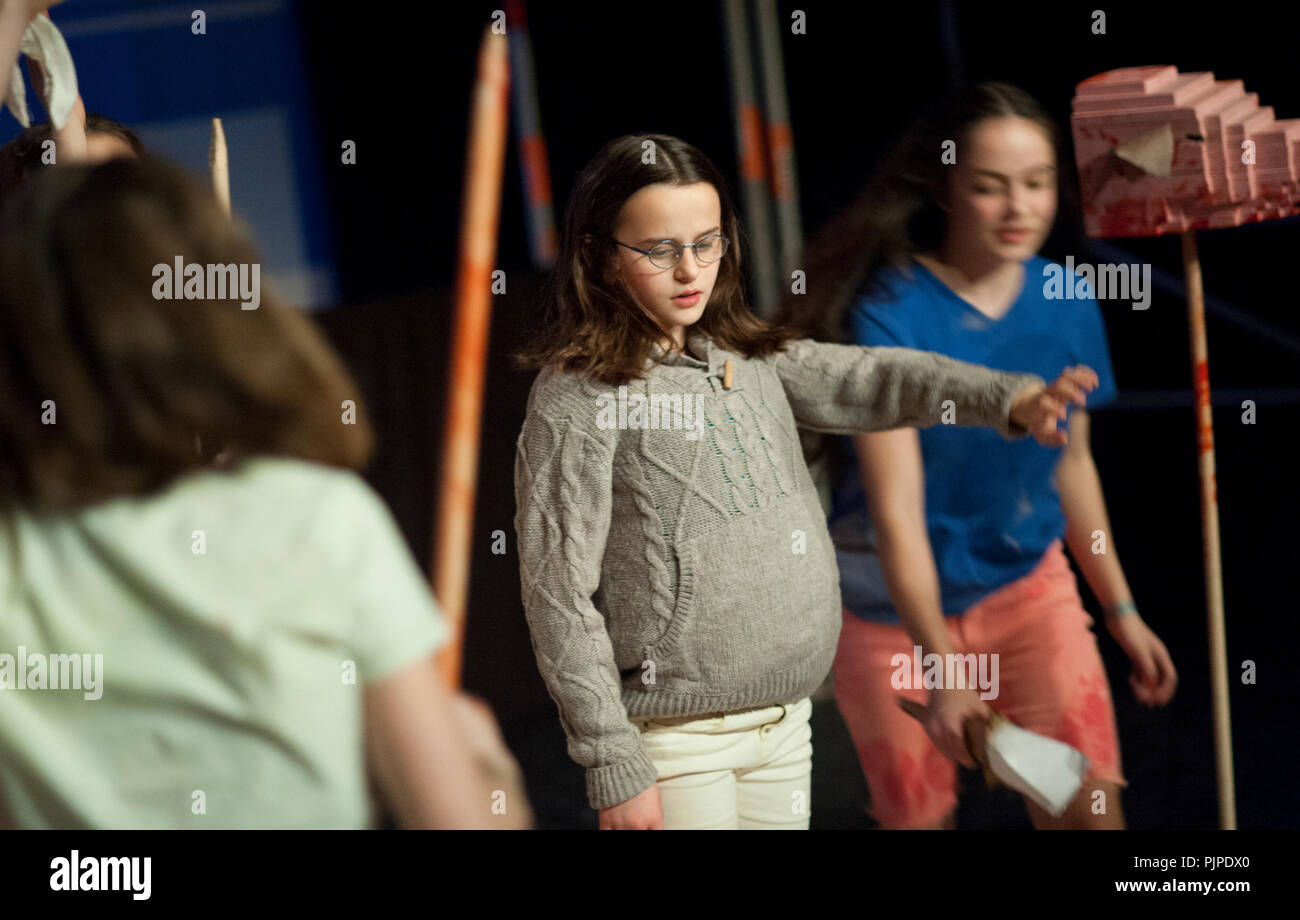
480 217
1210 534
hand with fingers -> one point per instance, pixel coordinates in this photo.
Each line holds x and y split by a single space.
947 718
1153 677
1039 408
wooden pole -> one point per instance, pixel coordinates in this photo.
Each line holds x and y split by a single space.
1210 534
480 216
219 162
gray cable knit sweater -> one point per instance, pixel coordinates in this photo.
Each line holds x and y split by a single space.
686 569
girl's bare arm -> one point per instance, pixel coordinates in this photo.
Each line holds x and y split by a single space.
1085 513
894 480
893 477
1154 677
439 757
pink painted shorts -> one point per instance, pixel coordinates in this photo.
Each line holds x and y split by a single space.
1050 680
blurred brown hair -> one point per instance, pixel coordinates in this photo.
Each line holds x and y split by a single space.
22 156
594 326
133 379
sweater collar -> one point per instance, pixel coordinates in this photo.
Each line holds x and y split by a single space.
699 343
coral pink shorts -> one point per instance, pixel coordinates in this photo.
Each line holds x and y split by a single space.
1050 680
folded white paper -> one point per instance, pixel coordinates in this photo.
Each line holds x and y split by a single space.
1048 771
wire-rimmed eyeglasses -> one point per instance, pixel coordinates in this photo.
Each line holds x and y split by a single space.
667 253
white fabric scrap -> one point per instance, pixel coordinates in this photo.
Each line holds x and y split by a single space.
43 43
1048 771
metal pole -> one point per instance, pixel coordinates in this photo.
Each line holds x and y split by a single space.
780 140
538 208
753 162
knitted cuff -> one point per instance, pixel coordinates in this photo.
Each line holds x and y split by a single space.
607 786
1011 387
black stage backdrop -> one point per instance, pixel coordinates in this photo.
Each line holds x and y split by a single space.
857 76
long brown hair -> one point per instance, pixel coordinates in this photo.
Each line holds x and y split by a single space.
593 325
128 380
898 213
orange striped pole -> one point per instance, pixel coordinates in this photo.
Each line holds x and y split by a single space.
480 216
1210 535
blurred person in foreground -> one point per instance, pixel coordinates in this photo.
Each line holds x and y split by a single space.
186 644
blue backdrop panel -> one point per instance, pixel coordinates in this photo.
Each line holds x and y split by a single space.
140 62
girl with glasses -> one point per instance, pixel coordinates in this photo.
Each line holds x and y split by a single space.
680 585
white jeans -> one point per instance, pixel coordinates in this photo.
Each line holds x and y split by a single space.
746 770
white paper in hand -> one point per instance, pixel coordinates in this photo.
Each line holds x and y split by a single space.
43 42
1048 771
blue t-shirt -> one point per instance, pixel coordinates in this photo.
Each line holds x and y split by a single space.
991 506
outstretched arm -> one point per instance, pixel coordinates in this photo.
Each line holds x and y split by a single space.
845 389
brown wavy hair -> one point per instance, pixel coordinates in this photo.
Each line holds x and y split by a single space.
898 214
132 378
22 156
592 325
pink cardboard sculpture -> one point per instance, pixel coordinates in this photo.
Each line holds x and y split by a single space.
1160 151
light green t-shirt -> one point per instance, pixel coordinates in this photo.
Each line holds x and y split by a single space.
238 616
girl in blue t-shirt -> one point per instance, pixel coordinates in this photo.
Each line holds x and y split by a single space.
946 540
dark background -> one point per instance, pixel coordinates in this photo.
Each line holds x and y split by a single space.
855 78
